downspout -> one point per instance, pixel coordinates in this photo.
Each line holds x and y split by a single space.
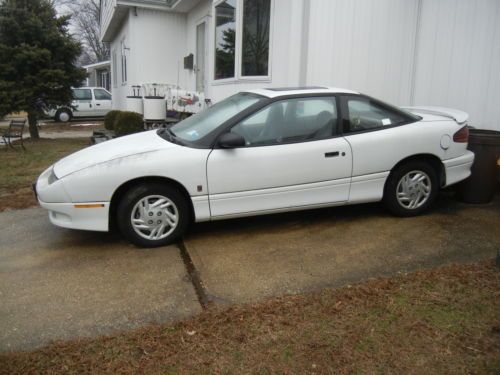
304 42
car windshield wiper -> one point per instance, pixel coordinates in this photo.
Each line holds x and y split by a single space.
167 134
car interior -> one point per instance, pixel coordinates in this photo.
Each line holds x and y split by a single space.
290 121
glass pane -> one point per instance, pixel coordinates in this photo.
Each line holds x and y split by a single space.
225 39
288 121
256 19
82 94
101 95
365 115
199 125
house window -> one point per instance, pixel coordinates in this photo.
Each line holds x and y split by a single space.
225 39
255 43
242 34
124 64
113 68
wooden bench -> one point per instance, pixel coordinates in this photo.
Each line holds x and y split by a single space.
14 132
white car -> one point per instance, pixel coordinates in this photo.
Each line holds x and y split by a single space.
260 152
87 102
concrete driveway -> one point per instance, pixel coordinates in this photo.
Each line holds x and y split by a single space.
244 260
60 284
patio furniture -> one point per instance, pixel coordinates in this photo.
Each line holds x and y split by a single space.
14 132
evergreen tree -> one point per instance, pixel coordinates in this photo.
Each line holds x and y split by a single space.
37 59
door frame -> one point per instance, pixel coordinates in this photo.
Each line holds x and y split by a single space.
203 20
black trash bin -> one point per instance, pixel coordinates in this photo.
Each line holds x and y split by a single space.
481 185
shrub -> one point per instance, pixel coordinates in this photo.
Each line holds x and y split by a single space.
109 119
128 123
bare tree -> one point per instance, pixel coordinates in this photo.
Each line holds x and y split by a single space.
85 21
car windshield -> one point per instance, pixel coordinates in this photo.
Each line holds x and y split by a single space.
199 125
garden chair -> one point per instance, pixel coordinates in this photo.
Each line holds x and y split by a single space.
14 132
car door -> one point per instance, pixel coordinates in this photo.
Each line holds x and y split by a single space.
82 102
102 102
293 158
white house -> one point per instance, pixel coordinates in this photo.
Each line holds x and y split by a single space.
407 52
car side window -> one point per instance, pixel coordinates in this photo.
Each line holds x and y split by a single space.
101 95
364 114
82 94
289 121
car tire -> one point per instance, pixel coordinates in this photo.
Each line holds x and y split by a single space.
63 115
153 214
411 189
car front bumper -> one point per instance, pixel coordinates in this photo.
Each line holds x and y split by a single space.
458 169
84 216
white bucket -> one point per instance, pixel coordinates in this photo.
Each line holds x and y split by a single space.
155 108
134 104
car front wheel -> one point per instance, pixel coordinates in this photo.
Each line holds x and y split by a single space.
411 189
153 215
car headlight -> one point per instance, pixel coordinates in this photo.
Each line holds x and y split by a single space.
52 177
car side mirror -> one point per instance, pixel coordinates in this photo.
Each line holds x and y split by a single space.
231 140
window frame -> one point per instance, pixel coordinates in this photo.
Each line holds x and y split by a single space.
114 68
225 128
344 124
123 63
238 58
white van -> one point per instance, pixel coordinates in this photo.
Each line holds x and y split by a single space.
87 102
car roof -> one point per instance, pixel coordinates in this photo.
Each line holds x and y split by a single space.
88 87
272 92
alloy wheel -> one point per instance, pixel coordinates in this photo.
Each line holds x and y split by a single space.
414 189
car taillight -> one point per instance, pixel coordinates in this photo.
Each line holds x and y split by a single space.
461 136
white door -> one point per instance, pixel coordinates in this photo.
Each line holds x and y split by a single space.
292 159
83 103
200 57
102 101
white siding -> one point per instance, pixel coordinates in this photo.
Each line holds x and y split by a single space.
458 58
407 52
364 45
158 45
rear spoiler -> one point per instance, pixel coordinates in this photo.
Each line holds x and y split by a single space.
459 116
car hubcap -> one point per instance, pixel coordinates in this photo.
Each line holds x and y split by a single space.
414 189
63 117
154 217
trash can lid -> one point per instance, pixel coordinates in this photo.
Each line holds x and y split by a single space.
484 137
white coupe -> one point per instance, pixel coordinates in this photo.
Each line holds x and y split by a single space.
260 152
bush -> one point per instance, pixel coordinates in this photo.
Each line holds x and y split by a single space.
109 119
128 123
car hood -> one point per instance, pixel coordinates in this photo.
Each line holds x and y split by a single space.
110 150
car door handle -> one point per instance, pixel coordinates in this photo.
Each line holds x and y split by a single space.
331 154
97 104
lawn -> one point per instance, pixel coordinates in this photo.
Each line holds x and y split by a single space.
442 321
19 169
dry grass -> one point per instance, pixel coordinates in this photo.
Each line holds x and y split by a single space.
18 169
443 321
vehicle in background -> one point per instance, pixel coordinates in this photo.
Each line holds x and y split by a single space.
87 102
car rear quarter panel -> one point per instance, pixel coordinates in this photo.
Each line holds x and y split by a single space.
379 151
